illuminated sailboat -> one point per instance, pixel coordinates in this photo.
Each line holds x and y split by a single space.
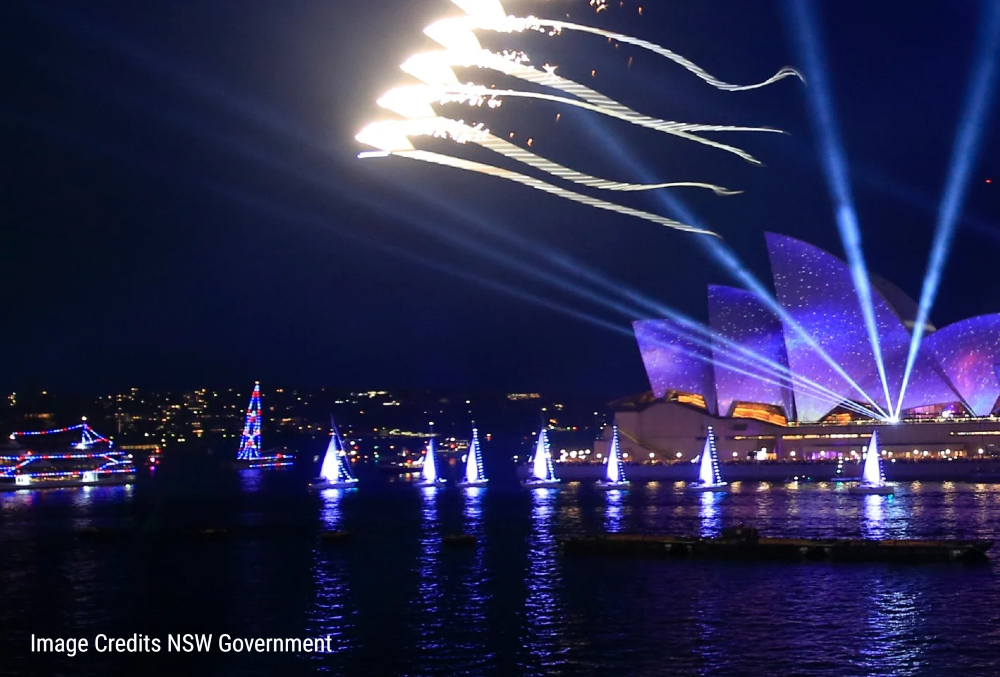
335 472
250 454
709 477
543 474
429 473
474 475
872 480
614 474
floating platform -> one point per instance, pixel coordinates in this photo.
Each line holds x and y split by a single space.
744 544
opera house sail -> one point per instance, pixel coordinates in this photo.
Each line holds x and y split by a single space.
814 365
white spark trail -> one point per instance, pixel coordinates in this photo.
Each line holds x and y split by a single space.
457 130
515 152
477 95
463 49
513 24
434 68
538 184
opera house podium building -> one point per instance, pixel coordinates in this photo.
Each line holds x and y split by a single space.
806 384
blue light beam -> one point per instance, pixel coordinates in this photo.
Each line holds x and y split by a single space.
722 253
808 44
979 99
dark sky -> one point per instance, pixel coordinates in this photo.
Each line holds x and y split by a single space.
181 202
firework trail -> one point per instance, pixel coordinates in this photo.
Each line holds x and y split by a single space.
388 135
476 95
441 86
393 142
512 24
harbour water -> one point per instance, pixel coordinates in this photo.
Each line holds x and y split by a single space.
396 601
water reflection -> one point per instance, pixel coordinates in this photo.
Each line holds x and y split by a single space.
473 510
893 645
543 579
331 613
614 514
884 517
873 522
709 514
430 601
251 481
331 514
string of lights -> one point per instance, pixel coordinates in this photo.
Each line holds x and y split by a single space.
251 439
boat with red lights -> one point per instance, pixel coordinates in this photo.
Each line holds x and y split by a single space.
92 461
249 456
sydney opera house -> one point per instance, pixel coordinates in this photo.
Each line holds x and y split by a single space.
808 385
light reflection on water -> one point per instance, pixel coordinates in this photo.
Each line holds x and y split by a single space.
891 644
884 517
430 551
709 514
614 515
473 510
331 514
251 481
331 613
543 578
394 600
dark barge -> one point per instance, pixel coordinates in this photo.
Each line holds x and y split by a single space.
744 543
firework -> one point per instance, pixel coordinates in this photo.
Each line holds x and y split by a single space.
462 49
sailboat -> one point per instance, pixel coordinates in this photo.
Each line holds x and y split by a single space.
709 478
872 480
543 474
474 475
614 473
250 454
429 474
335 471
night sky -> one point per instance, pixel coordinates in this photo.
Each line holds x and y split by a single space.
182 204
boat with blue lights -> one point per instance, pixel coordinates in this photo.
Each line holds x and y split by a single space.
429 476
335 471
872 479
474 474
709 477
249 456
93 461
614 471
543 473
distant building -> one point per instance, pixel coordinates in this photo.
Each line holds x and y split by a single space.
808 383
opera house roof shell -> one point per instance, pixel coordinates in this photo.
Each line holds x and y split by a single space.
956 364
